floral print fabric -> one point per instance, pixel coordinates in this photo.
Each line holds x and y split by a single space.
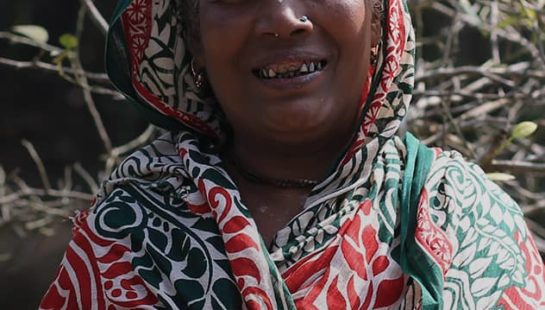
170 231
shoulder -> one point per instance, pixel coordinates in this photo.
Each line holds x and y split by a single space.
142 211
126 249
490 252
151 194
462 200
469 191
154 165
174 240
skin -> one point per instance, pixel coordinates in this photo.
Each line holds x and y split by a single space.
294 128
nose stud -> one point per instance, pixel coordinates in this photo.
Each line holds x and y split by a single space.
302 19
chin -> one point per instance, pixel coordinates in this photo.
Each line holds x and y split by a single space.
298 130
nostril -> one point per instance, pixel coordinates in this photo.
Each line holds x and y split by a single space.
303 25
282 20
298 31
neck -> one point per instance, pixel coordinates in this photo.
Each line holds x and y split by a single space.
295 161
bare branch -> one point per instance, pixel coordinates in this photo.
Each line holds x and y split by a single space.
84 174
26 41
38 162
35 192
518 166
97 77
96 17
88 97
492 73
131 145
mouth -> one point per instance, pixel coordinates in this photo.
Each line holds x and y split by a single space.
290 69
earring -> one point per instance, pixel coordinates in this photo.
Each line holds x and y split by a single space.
198 77
373 59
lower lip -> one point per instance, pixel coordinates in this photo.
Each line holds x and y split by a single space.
295 82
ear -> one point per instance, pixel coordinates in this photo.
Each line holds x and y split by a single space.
194 47
376 22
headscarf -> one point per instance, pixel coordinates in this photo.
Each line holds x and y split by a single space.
394 225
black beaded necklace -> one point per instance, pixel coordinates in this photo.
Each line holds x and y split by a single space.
276 182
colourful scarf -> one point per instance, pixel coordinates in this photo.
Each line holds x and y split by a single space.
395 225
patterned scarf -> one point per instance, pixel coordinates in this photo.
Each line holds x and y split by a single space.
395 225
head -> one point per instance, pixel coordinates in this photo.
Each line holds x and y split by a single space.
244 46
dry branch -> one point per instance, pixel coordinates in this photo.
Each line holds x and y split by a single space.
457 104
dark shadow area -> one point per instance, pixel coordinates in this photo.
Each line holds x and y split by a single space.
50 112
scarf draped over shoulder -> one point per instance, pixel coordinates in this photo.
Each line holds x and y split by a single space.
394 225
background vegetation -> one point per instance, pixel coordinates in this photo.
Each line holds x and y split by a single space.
480 89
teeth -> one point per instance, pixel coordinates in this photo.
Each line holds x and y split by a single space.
290 72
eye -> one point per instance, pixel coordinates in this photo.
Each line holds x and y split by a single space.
232 8
229 1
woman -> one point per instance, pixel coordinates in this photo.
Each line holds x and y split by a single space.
281 183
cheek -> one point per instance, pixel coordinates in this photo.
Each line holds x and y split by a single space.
356 36
350 15
223 30
353 40
348 25
221 49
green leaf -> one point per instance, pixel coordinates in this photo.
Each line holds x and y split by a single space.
531 14
34 32
4 257
506 22
60 58
68 41
500 177
523 130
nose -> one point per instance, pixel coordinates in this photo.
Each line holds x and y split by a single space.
282 19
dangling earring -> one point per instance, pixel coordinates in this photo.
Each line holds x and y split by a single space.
373 59
198 77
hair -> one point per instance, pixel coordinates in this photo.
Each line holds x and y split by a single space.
187 12
378 10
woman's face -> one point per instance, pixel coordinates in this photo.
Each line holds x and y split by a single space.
281 78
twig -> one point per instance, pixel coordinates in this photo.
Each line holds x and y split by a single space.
86 177
518 166
457 129
494 17
140 140
96 17
39 163
26 41
35 192
2 181
97 77
88 97
535 227
540 243
491 73
484 109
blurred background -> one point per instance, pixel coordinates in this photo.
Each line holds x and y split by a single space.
48 110
480 89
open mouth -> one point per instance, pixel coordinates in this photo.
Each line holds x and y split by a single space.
290 70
